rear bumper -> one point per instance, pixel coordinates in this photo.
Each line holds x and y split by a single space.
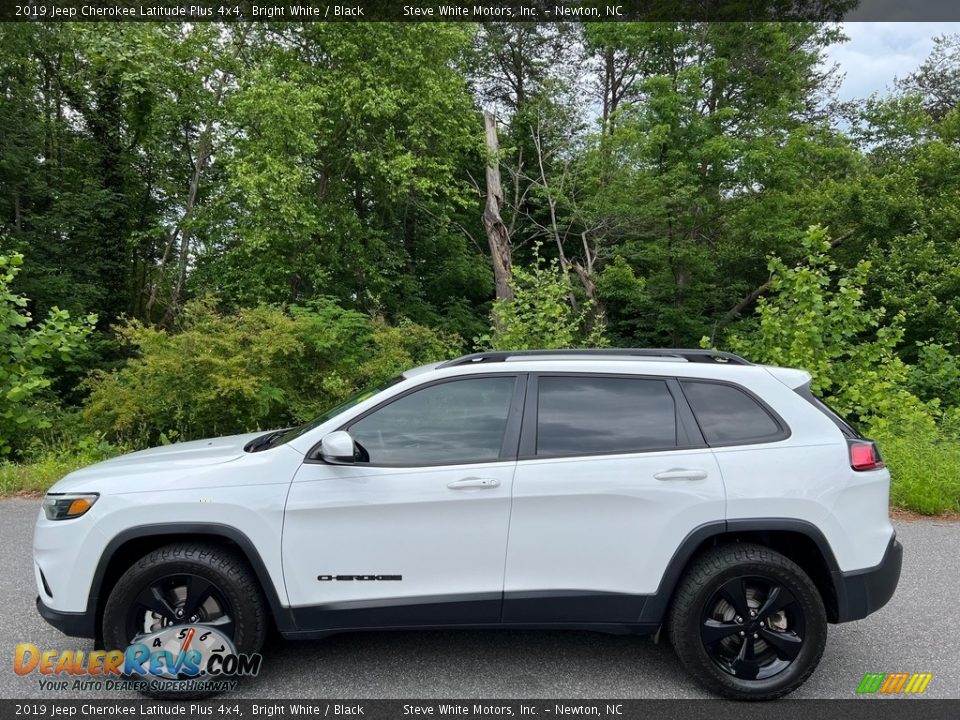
861 592
74 624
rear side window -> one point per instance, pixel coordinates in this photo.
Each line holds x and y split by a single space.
595 415
728 415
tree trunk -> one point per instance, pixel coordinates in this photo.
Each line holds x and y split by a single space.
497 234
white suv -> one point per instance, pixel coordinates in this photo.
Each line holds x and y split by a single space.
623 491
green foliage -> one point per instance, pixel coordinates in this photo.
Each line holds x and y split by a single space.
336 171
624 296
813 321
258 368
541 315
27 355
925 472
709 163
936 375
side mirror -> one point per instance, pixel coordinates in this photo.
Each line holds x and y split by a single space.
338 448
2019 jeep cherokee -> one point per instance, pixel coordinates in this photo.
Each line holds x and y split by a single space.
615 490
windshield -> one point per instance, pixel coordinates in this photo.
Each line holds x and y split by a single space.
284 436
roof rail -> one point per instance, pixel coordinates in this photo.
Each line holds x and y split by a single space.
688 355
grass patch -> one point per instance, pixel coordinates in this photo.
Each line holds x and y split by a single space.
925 472
39 473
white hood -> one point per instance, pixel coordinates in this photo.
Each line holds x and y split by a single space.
167 458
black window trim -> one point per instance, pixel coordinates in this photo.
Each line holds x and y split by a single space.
689 436
783 430
511 433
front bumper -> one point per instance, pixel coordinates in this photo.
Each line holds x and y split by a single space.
74 624
861 592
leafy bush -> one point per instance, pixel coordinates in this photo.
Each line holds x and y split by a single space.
936 375
258 368
813 321
541 314
27 355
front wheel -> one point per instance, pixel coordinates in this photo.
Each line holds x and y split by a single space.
747 622
186 585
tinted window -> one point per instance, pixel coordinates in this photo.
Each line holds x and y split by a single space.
452 422
727 414
582 415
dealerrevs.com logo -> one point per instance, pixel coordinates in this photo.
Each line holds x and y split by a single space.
181 658
901 683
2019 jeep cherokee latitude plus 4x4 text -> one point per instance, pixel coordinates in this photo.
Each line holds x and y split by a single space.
621 491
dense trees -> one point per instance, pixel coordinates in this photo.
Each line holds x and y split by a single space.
182 181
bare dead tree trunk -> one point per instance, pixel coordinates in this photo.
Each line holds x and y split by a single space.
498 235
204 150
585 271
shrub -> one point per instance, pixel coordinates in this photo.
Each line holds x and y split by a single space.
936 375
27 356
259 368
541 314
813 321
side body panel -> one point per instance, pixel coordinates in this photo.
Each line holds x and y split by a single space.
589 537
438 544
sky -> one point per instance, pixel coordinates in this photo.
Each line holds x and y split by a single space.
877 53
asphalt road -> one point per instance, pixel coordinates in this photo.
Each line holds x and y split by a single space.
918 631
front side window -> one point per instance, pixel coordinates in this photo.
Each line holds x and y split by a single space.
728 415
449 423
595 415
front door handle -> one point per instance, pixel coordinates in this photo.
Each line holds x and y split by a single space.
473 482
681 474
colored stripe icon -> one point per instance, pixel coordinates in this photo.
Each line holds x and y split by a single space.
894 683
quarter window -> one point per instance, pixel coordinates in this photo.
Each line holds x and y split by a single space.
594 415
449 423
727 415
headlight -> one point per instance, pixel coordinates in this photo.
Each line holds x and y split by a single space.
64 506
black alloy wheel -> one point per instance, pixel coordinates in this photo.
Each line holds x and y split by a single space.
747 622
752 627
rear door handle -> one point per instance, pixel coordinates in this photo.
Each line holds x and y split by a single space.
473 482
681 474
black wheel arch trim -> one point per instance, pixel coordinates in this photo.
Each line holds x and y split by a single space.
657 605
281 615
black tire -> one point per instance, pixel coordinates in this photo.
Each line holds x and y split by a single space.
235 592
730 652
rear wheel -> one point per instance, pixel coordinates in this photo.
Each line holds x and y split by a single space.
747 622
187 584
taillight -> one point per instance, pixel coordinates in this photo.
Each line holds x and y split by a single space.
864 455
